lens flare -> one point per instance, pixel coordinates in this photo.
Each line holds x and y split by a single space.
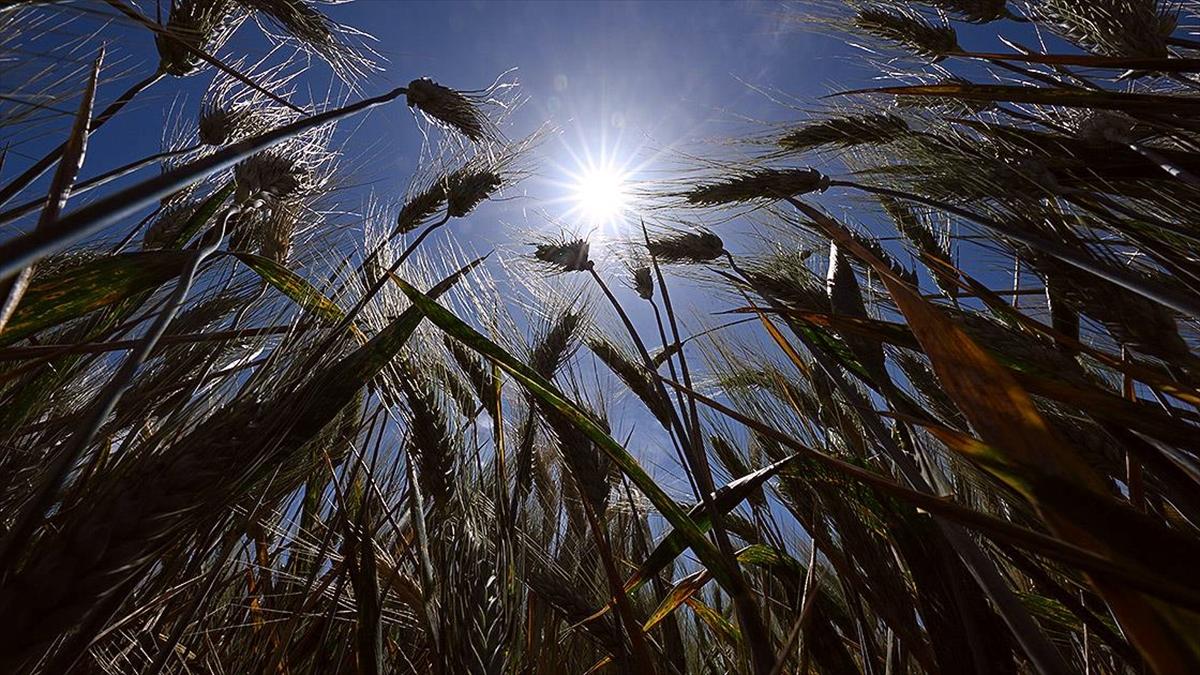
600 194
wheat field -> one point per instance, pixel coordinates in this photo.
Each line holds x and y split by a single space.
937 413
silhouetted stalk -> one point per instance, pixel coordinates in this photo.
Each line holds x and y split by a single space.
1143 287
806 604
758 640
679 400
79 224
56 474
677 428
96 181
641 655
696 466
40 167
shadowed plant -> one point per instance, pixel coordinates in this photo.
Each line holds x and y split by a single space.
251 422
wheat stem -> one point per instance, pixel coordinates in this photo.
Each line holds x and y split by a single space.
1144 287
96 181
42 165
75 226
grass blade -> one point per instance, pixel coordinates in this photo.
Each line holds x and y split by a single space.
90 286
60 189
292 285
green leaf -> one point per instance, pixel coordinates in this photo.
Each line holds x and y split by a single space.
87 287
678 595
758 555
292 285
716 623
204 213
725 500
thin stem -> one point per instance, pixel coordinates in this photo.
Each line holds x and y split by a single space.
42 165
641 657
77 225
762 656
679 431
101 407
96 181
662 336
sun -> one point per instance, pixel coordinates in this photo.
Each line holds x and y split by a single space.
600 194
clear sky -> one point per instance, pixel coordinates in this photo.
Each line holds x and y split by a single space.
616 78
629 84
621 81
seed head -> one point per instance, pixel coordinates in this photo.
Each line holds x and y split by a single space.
230 110
1105 126
633 375
567 256
269 177
446 106
771 184
315 33
845 132
557 345
266 232
909 31
168 226
466 189
586 462
204 25
218 126
278 233
785 278
687 247
643 283
1121 28
418 209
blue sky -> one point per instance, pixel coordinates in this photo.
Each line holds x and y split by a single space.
617 79
613 77
623 80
